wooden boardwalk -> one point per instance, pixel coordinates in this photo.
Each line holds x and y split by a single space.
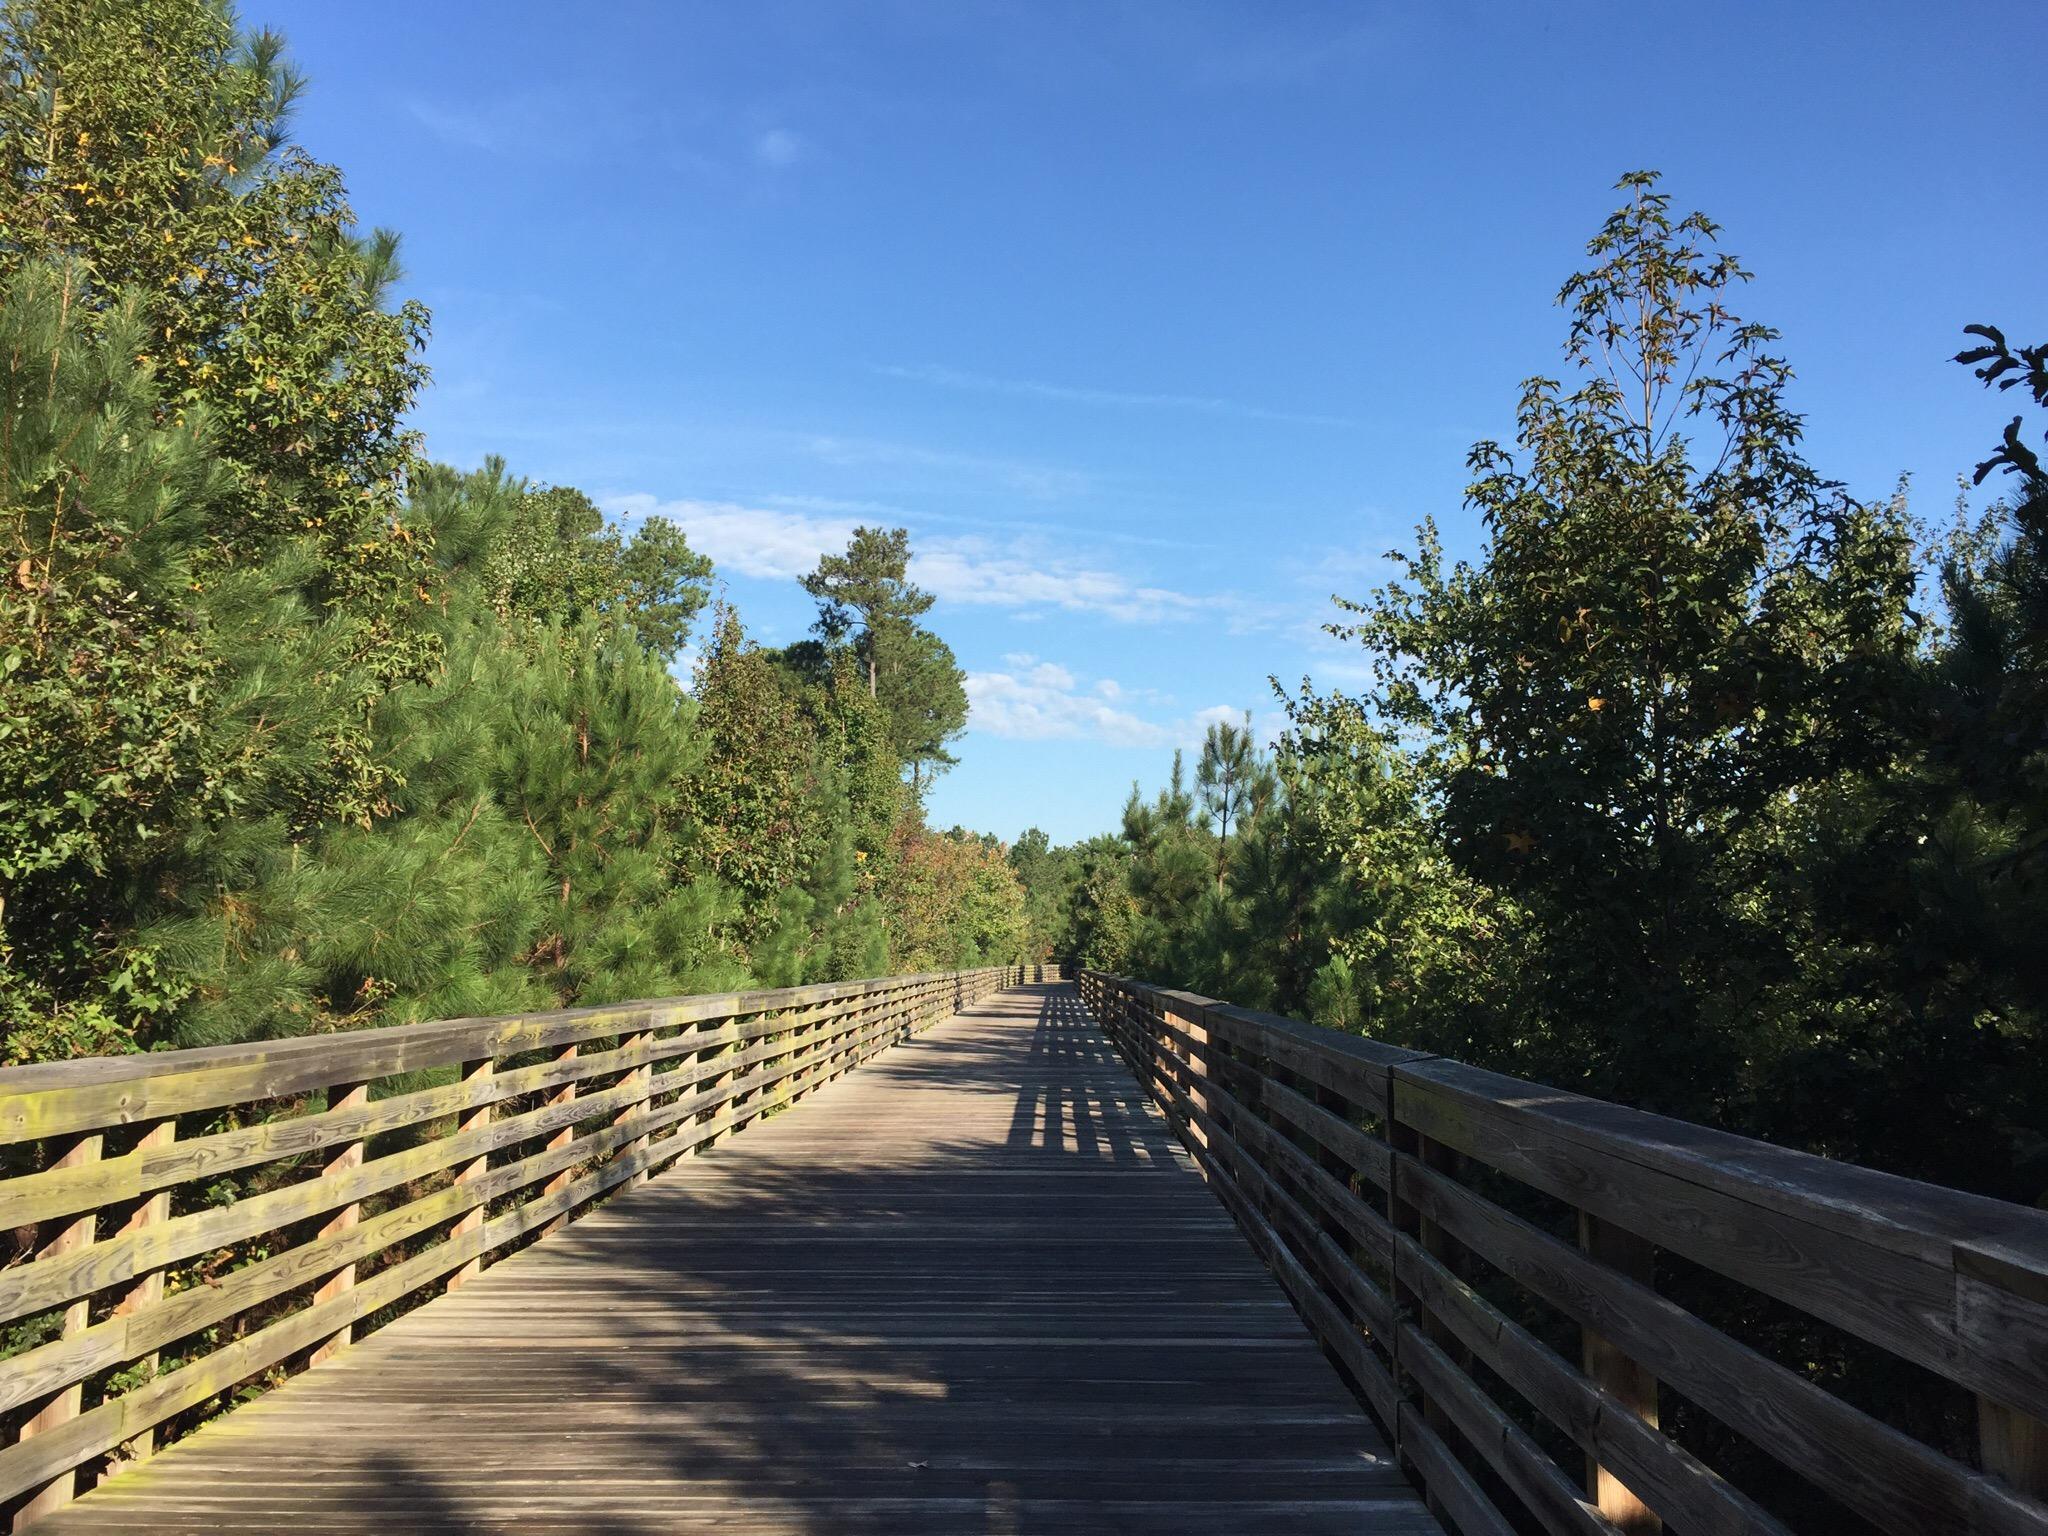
974 1287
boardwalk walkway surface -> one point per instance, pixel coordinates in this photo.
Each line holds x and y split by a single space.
974 1287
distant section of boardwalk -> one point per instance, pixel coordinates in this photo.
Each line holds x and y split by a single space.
974 1287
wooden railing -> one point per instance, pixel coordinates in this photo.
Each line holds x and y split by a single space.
1515 1277
188 1223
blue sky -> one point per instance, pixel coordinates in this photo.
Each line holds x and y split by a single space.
1154 323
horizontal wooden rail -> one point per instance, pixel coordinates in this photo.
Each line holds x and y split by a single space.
1486 1258
188 1224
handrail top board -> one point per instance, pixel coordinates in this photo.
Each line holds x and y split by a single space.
66 1097
1908 1216
1924 1221
1358 1048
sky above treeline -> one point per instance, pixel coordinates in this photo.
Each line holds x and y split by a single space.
1155 324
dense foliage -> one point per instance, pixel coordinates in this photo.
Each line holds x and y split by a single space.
1702 787
299 732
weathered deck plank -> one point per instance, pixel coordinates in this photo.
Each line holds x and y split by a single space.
974 1287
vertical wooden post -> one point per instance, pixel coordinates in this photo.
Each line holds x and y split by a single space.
477 1073
1439 1158
148 1288
1439 1244
1197 1035
1411 1146
1606 1366
1333 1163
817 1022
64 1407
709 1082
1403 1218
340 1096
851 1014
810 1031
830 1016
1406 1217
639 1077
2013 1445
566 1094
796 1084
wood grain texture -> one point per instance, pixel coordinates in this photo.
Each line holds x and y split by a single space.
62 1409
1612 1371
1891 1480
975 1287
283 1285
1300 1128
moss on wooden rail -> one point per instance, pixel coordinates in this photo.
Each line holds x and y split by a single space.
1419 1212
195 1221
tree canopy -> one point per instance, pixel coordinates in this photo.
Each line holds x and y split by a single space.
867 601
300 732
1703 786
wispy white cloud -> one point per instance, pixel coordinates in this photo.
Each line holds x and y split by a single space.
550 126
954 378
1358 563
1285 57
855 505
457 125
1034 700
1042 703
754 541
1045 481
695 136
1039 527
1027 699
781 543
977 571
780 148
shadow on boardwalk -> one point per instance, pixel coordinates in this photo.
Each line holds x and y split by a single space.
973 1287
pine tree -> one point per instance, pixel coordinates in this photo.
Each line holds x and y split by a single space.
1232 782
923 698
865 598
868 587
1168 874
598 742
1051 878
107 652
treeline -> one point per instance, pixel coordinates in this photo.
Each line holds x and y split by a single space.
299 732
1707 786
